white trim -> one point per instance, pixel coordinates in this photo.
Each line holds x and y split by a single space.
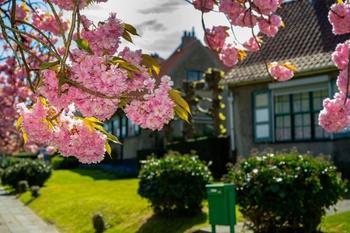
300 85
300 82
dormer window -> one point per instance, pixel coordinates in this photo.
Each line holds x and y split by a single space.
195 75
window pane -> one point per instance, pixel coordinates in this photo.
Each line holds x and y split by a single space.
283 134
262 115
283 128
194 75
133 129
261 100
262 131
282 104
318 97
124 125
301 102
116 127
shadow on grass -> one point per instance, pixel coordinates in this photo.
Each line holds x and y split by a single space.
156 224
103 174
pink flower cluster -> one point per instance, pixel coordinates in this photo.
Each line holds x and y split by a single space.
341 55
155 110
106 38
339 17
44 126
280 72
47 22
94 73
215 38
203 5
270 27
335 114
69 4
252 44
244 14
229 55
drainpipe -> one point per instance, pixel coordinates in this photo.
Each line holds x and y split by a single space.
232 127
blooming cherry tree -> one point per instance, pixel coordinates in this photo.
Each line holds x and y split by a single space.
95 76
50 64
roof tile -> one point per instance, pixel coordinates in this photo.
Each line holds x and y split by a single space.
307 41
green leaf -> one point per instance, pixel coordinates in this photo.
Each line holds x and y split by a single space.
83 44
182 113
127 36
113 138
175 95
25 137
19 121
47 65
124 64
150 63
108 149
274 188
131 29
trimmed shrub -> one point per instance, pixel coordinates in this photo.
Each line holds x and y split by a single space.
285 192
60 162
36 172
175 184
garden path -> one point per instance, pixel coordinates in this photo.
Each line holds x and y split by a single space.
15 217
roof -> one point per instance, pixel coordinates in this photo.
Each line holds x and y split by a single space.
183 50
307 42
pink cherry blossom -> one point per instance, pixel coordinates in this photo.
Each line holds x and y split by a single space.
266 6
47 22
155 110
105 39
341 55
339 17
267 28
252 44
335 114
343 81
203 5
229 55
215 38
50 150
280 72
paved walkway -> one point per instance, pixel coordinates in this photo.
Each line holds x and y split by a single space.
15 217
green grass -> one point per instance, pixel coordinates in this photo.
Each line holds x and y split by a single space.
70 198
338 223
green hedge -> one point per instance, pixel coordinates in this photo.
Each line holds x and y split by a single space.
175 184
60 162
35 172
285 192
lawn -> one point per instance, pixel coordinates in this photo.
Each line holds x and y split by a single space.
70 198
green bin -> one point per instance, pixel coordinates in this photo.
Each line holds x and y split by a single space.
222 205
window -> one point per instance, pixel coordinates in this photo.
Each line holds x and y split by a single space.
122 127
194 75
289 111
262 119
296 116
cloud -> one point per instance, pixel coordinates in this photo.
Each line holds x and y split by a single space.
150 25
164 7
164 45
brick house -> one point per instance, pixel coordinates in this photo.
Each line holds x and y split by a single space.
285 115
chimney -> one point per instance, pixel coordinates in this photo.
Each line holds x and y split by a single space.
187 38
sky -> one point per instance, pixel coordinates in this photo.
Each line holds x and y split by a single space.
160 24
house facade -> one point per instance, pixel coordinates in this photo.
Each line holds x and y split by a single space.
189 61
283 115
